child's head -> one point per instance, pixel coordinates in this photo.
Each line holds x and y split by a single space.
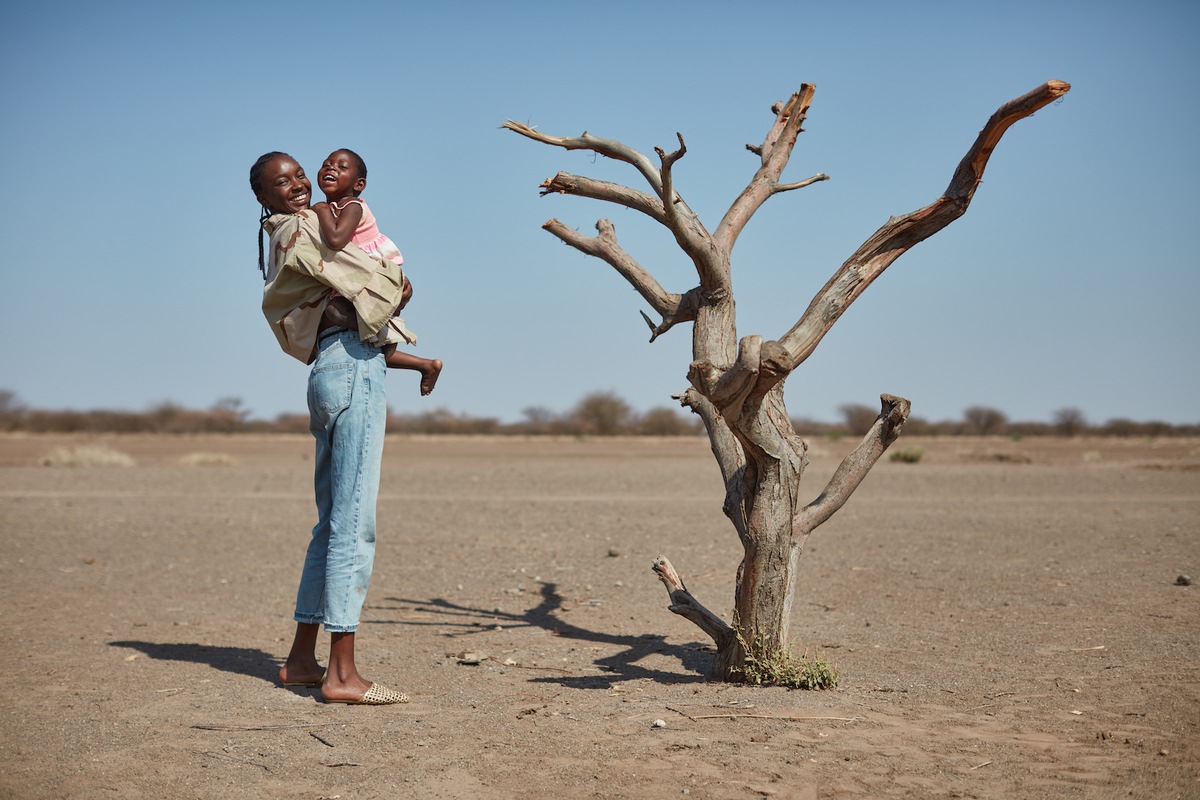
280 184
343 175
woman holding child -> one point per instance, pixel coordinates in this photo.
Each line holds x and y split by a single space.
347 414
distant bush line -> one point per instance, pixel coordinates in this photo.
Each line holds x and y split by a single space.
597 414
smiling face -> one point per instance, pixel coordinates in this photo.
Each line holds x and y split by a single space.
340 177
283 186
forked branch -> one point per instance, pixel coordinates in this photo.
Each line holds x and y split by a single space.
774 152
693 238
670 201
683 311
712 263
901 233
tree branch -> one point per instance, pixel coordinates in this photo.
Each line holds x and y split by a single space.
787 187
712 263
684 311
609 148
685 605
728 389
669 198
605 247
579 186
901 233
758 367
730 456
775 151
854 467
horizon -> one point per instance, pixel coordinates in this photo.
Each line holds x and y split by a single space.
234 404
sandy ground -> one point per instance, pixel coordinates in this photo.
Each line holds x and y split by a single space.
1005 616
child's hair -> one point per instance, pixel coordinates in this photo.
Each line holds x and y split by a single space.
359 164
256 187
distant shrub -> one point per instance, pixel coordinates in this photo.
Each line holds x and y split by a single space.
907 455
207 460
602 414
984 421
1069 422
441 421
858 418
288 423
87 456
664 421
919 426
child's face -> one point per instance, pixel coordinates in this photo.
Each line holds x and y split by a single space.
284 186
339 177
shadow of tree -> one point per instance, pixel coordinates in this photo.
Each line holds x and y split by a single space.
238 660
621 666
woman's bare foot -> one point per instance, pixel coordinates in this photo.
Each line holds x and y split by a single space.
301 674
301 667
429 375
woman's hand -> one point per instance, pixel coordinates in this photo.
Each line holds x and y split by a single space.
405 294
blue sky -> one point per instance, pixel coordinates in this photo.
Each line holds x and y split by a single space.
1073 280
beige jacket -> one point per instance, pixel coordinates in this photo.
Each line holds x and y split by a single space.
303 270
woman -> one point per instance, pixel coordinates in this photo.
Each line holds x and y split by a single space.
347 414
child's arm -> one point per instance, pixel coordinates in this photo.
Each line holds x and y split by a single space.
337 229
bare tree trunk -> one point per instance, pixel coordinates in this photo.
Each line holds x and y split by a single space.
737 385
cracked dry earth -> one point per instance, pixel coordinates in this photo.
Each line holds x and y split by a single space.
1005 616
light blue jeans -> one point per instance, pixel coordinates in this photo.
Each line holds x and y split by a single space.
347 407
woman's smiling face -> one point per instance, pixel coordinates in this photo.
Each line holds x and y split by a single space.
284 186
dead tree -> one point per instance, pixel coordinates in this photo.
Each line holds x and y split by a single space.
737 385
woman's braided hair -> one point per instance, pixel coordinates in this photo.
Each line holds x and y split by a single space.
256 187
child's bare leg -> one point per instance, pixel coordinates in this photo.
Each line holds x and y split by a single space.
430 368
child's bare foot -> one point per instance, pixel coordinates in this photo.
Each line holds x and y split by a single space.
429 375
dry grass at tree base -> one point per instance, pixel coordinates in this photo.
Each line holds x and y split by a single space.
786 669
1004 616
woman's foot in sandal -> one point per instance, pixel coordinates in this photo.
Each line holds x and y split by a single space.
376 695
343 684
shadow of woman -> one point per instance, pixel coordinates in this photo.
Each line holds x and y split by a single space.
621 666
238 660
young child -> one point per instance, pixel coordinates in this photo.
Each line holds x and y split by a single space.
345 219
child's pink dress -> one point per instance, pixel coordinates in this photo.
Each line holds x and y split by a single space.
368 237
